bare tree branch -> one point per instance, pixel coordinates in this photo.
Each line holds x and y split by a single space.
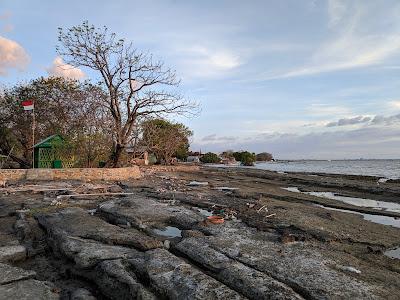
120 64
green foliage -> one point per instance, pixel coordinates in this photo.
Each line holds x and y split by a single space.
210 158
264 156
62 106
166 139
227 154
246 158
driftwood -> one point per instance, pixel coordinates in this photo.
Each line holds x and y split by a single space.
261 208
94 194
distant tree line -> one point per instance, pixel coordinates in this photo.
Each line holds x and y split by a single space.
246 158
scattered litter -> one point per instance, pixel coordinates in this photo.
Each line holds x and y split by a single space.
261 208
170 201
226 188
382 180
92 211
215 219
197 183
94 194
280 172
271 215
55 203
250 205
350 269
230 214
204 212
167 244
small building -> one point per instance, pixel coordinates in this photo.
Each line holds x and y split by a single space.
48 153
139 155
193 159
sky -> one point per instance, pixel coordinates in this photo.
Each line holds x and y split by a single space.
308 79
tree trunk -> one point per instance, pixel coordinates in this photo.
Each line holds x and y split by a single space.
117 155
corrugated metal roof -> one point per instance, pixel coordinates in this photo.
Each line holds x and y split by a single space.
47 140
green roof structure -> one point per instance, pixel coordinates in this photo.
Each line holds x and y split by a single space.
46 153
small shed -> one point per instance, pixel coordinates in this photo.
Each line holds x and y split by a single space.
48 155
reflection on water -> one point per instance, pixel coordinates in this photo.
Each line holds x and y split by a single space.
384 220
293 189
169 231
382 205
386 168
368 203
394 253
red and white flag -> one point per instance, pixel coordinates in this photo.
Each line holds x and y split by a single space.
28 104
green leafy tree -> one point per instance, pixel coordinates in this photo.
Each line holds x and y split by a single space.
165 139
246 158
264 156
210 158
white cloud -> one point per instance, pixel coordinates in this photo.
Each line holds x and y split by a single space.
324 110
394 104
203 62
350 121
12 56
366 142
336 11
215 139
60 69
354 40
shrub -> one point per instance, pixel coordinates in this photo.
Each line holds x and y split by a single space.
210 158
246 158
264 156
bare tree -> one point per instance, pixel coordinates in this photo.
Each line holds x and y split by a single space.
138 86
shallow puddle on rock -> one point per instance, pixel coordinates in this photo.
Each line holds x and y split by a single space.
368 203
169 231
226 188
197 183
293 189
384 220
394 253
381 205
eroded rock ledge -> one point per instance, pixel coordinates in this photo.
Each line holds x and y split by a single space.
116 247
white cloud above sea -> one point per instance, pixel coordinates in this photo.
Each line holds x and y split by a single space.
12 56
61 69
355 40
367 142
354 137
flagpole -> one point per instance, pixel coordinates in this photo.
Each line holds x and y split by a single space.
33 136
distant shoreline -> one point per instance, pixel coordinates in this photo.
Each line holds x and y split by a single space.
379 168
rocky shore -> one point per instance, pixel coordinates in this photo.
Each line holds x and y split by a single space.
149 238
